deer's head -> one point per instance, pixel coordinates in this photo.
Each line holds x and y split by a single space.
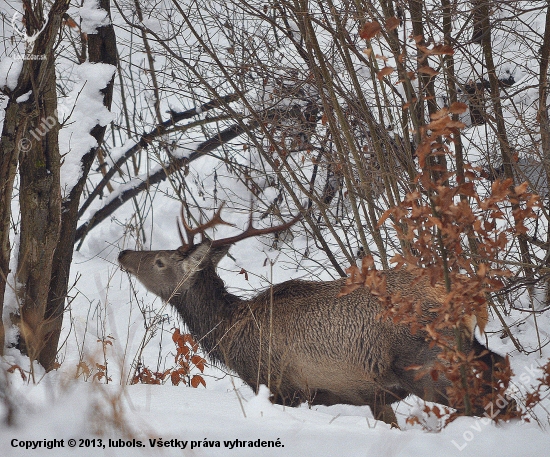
169 272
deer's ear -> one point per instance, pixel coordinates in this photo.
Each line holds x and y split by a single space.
219 253
197 258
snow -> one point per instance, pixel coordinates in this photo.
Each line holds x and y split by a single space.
23 98
9 71
79 113
92 16
118 152
75 410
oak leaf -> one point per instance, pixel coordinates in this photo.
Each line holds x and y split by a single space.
370 30
384 72
392 23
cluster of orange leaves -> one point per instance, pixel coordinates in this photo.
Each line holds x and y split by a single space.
185 358
433 222
542 391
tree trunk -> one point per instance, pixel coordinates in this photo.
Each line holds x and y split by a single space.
30 136
101 48
40 203
48 225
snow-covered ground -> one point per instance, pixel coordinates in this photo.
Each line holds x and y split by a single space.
219 421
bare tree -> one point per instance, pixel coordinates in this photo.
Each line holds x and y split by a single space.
30 141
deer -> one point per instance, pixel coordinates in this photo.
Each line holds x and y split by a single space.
302 339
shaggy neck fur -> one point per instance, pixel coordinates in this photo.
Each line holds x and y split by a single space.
206 307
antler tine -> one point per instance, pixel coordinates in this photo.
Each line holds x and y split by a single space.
185 244
191 232
252 231
216 220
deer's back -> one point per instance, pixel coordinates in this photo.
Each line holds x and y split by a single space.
316 301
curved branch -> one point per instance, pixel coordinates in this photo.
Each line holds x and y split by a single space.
175 164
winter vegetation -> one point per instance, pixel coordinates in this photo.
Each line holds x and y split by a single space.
365 140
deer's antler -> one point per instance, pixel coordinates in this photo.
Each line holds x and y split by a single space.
191 232
217 220
253 231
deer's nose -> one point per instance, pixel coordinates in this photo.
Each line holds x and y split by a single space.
122 254
125 260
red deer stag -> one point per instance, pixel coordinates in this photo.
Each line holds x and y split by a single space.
300 338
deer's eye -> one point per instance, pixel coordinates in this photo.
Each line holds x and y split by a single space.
159 263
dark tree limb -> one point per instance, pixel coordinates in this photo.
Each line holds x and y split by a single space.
175 164
147 138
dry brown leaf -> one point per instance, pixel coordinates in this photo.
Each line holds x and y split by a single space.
384 72
482 317
456 124
439 124
370 30
198 361
197 380
427 70
439 114
70 22
392 23
386 214
442 49
175 378
438 49
348 289
522 188
458 108
243 271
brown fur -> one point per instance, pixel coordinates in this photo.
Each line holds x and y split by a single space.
323 348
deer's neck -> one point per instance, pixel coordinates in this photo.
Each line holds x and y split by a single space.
206 308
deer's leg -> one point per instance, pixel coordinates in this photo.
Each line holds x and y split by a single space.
287 399
381 400
384 413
